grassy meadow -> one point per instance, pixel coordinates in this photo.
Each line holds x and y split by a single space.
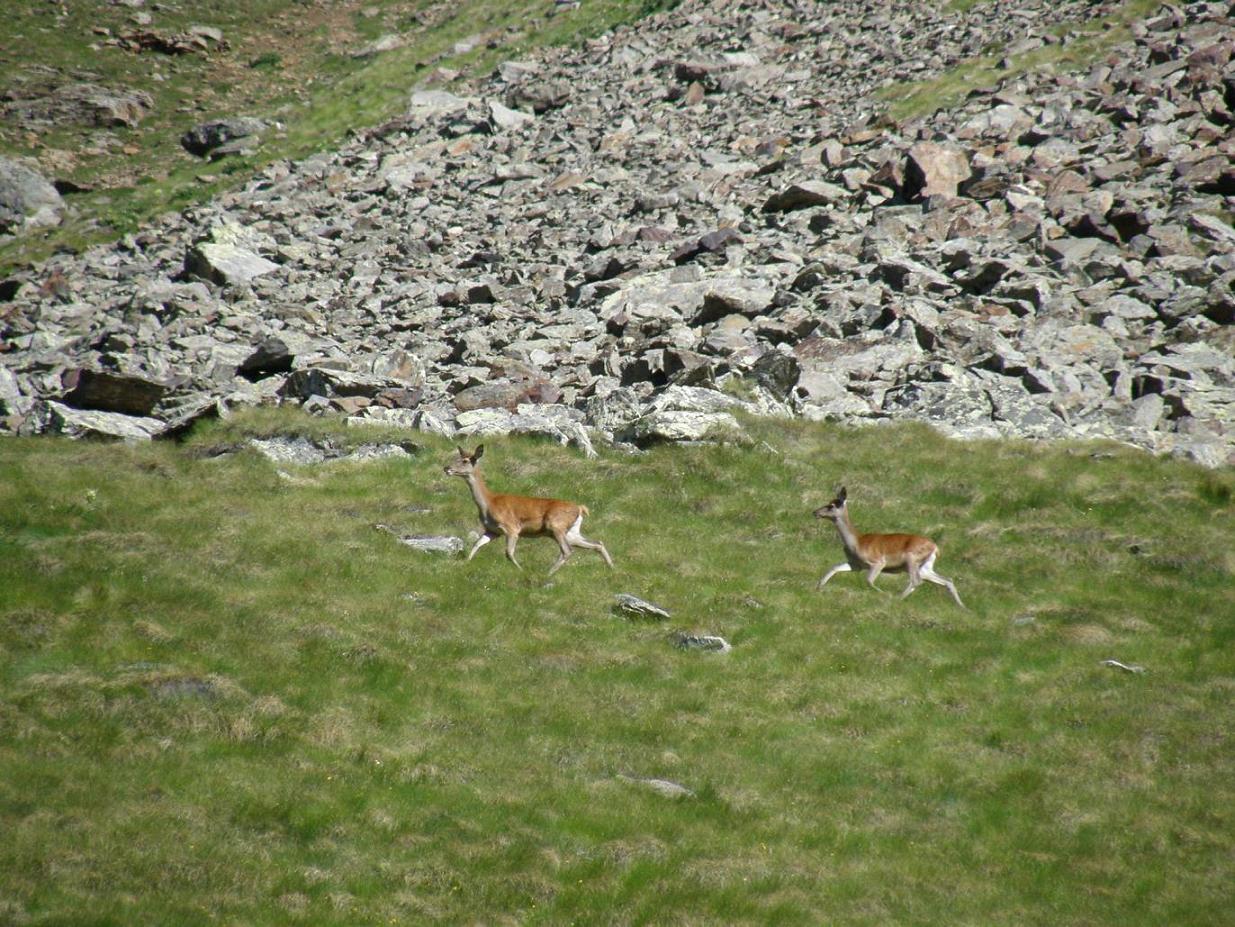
226 698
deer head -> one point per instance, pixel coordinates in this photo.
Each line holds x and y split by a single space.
464 465
834 509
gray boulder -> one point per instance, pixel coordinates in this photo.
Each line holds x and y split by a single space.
89 423
205 138
27 199
111 392
226 256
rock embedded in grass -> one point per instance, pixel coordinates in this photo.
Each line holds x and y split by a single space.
27 198
427 543
433 544
662 787
202 139
633 605
185 687
710 643
92 423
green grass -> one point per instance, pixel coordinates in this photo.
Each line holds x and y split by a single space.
963 6
225 697
287 60
1081 45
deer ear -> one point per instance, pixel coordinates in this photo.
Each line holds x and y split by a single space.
480 449
840 497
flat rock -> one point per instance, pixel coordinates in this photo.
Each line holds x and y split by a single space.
805 195
111 392
669 425
433 544
225 263
633 605
284 450
709 643
662 787
90 423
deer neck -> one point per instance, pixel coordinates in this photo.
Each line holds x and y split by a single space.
848 536
480 494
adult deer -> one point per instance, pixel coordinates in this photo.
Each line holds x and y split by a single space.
875 553
514 516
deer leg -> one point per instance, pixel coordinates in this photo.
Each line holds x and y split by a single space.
578 540
839 568
930 574
512 537
564 544
915 578
873 573
480 542
593 545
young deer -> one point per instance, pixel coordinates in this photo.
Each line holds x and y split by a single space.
875 553
517 515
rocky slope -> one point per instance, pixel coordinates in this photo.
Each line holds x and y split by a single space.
696 215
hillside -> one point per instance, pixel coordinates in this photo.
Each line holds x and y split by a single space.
224 696
717 197
973 261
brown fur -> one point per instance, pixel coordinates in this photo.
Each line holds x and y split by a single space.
877 553
514 516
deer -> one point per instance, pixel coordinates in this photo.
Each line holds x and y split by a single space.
515 516
875 553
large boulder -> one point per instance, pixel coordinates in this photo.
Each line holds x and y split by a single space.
74 105
932 169
666 297
91 423
27 198
209 137
111 392
227 257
